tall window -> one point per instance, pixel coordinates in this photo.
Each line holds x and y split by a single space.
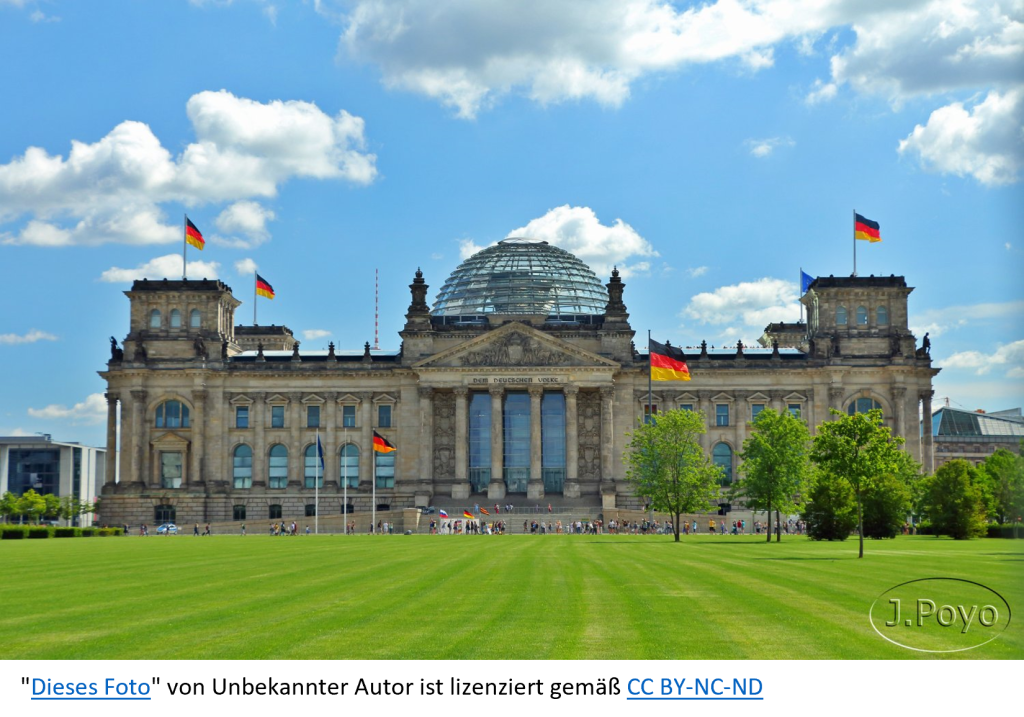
882 316
348 416
649 410
722 457
277 471
384 416
274 511
172 414
517 441
755 410
312 416
862 316
170 469
349 465
34 469
241 416
241 467
552 436
277 416
841 316
479 441
175 319
154 319
310 510
385 469
863 405
685 406
312 468
238 512
195 319
794 409
164 514
721 414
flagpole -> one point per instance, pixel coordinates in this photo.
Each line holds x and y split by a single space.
254 296
801 294
344 445
184 246
373 509
855 242
650 380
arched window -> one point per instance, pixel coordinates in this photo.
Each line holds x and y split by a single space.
349 465
195 319
863 405
862 316
385 469
241 467
172 414
175 319
882 316
312 468
154 319
278 469
722 456
841 316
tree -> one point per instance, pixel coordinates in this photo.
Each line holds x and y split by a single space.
954 500
886 505
70 508
667 466
31 504
1006 472
9 505
831 511
52 509
775 465
861 450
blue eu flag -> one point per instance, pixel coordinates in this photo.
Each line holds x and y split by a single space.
320 453
805 281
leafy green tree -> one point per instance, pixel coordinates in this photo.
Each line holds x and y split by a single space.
1006 473
831 511
861 450
70 508
52 509
954 500
31 504
667 466
775 465
9 505
886 505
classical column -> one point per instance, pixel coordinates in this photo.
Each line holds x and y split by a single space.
296 458
198 422
928 458
110 474
328 424
366 454
496 488
704 402
835 398
778 401
258 419
899 398
139 436
460 488
426 441
607 438
572 443
535 486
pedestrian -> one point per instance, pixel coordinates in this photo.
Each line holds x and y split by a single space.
195 531
243 528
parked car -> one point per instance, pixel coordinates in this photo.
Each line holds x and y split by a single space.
167 529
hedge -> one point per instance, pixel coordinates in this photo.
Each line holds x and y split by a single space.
13 532
38 532
66 532
1005 531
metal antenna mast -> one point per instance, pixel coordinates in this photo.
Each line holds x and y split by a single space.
376 309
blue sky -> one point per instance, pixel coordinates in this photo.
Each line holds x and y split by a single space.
708 150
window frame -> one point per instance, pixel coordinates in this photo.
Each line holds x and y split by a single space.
381 408
239 481
195 319
312 409
277 415
718 415
275 479
842 316
239 418
174 320
155 319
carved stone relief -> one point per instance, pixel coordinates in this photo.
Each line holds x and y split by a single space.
589 434
444 436
514 349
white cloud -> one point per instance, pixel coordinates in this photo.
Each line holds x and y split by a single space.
245 267
247 218
112 190
694 272
821 92
939 321
92 410
578 230
30 338
762 148
986 142
40 16
1009 356
468 247
743 310
313 334
16 432
162 267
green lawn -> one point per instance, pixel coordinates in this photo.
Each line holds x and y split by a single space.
515 597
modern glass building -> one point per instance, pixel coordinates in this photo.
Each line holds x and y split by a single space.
47 466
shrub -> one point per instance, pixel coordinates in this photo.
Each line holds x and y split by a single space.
65 532
13 532
38 533
88 532
1006 530
106 532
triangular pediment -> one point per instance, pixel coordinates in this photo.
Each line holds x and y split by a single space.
170 441
515 345
795 398
758 398
241 400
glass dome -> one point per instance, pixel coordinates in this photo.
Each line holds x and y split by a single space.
522 276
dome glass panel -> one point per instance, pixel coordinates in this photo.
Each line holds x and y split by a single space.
522 276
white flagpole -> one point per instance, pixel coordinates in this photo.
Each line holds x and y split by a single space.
184 246
373 510
316 494
344 445
855 242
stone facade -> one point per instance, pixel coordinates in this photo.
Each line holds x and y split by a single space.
253 412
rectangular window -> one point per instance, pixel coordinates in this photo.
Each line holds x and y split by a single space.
722 414
479 441
348 416
310 510
685 406
277 416
241 416
755 409
170 469
794 408
648 410
312 417
238 513
385 469
384 416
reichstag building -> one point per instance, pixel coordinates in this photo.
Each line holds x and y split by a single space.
519 385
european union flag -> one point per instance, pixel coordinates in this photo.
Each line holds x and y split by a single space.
320 453
805 281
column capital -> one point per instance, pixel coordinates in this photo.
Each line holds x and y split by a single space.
460 391
199 394
926 395
835 393
330 396
139 394
112 396
570 390
704 395
535 391
426 391
294 396
496 390
777 395
364 396
899 393
607 393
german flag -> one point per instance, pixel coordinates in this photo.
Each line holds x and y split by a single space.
193 236
263 287
467 515
484 511
668 363
865 229
382 444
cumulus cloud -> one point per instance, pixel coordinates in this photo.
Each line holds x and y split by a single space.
30 338
91 411
578 230
762 148
1009 357
247 218
821 92
162 267
696 271
313 334
112 190
245 267
741 311
939 321
985 142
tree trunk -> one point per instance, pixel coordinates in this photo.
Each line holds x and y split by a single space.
675 527
860 527
769 521
778 527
